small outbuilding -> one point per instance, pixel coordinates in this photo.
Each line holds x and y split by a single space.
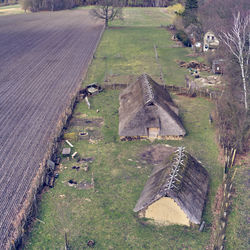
148 111
66 151
194 33
218 66
211 42
176 191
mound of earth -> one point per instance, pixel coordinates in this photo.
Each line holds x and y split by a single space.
155 154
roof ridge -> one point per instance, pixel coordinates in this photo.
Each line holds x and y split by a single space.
177 164
148 94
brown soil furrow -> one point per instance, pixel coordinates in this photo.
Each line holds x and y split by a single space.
19 96
24 142
19 131
42 60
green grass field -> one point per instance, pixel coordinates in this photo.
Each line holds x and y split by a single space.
11 10
124 53
127 51
106 213
237 231
144 17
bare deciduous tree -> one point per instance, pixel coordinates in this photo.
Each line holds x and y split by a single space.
107 10
238 43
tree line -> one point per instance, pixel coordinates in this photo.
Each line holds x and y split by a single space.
8 2
51 5
230 21
146 3
36 5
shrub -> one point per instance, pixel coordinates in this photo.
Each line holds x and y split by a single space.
183 37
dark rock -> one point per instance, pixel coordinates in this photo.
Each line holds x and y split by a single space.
91 243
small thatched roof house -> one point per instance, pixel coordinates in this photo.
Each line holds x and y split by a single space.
147 110
176 191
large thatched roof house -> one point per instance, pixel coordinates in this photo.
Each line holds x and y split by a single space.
176 191
147 110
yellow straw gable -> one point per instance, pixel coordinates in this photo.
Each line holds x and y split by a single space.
166 211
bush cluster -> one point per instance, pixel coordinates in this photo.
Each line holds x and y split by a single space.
183 37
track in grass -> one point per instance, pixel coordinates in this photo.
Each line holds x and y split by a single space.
43 57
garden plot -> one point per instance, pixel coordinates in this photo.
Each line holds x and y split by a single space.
84 129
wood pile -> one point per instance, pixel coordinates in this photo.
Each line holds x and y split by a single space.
194 65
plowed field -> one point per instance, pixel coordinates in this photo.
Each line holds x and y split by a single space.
43 57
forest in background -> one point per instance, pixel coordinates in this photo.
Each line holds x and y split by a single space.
232 111
233 118
36 5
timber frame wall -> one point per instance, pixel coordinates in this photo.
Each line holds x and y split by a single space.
133 138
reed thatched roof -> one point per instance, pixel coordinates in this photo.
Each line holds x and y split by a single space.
146 104
181 178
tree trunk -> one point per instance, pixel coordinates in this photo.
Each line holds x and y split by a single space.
244 85
106 18
52 6
106 22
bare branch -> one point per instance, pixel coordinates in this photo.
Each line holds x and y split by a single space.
238 43
107 10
